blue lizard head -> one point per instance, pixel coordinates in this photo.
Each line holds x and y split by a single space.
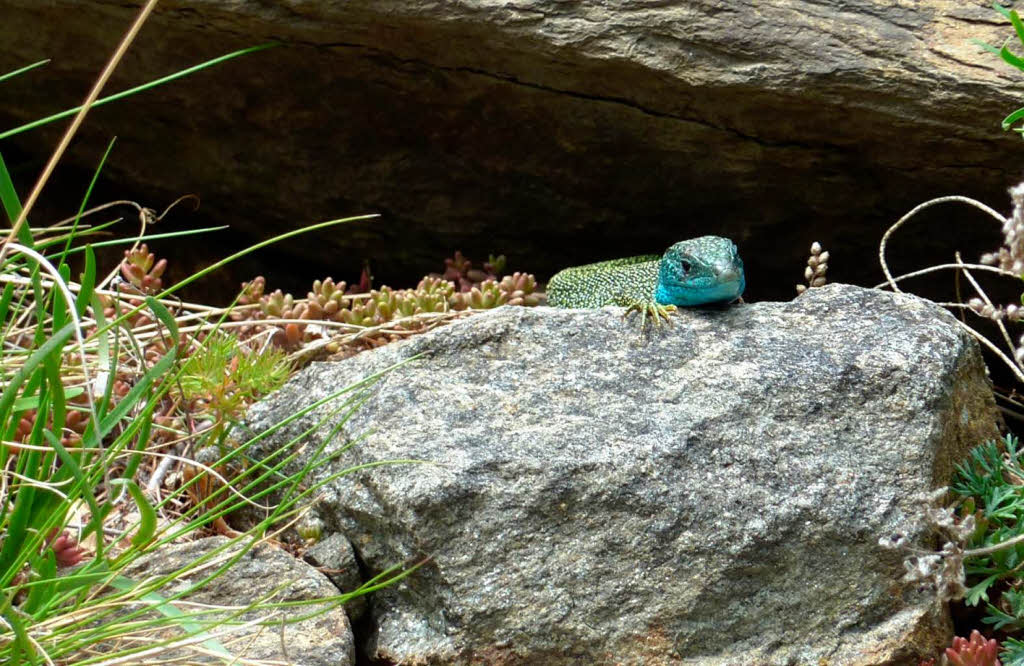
700 270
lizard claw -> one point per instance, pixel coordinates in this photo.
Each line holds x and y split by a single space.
656 311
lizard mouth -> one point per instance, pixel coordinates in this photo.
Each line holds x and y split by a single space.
729 275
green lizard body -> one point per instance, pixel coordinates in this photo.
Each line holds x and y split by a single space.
693 272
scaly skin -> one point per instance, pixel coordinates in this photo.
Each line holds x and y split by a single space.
693 272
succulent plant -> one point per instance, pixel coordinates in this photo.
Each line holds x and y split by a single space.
116 308
310 528
142 270
252 291
326 298
521 289
66 548
974 652
460 288
460 270
495 265
75 423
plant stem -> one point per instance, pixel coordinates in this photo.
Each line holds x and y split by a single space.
104 76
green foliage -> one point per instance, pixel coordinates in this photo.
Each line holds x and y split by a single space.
222 369
131 91
1011 58
1013 652
225 375
991 483
984 480
82 397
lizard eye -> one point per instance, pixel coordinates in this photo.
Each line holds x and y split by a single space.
686 265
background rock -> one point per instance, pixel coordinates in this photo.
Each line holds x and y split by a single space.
714 492
555 132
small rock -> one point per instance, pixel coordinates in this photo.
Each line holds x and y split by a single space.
324 640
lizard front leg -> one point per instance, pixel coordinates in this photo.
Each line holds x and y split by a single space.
646 307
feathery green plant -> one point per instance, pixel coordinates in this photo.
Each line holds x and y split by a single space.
990 484
1011 58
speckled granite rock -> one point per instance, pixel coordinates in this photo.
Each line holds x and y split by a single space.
325 640
712 494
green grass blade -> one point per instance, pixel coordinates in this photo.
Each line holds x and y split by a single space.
147 238
5 302
252 248
49 348
162 606
165 316
57 407
11 203
1006 54
132 398
58 306
985 45
85 200
147 515
26 68
87 282
145 426
32 401
16 533
1009 120
137 89
102 339
40 594
1017 25
73 469
21 646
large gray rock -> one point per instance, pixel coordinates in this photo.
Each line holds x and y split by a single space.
556 132
711 494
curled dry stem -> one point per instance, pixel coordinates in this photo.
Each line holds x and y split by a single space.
917 209
959 266
147 216
981 292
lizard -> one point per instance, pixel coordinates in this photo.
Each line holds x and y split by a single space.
692 272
